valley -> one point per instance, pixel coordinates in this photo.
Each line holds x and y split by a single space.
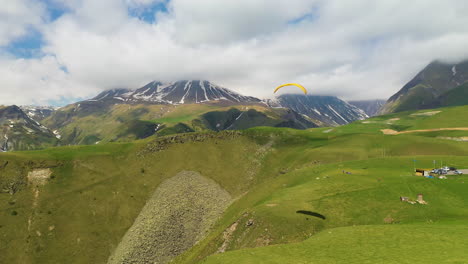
233 132
95 193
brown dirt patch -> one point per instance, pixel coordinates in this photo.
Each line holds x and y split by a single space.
39 176
462 139
394 132
391 120
263 241
426 113
389 131
227 235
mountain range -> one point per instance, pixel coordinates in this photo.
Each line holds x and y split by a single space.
169 108
184 106
197 105
189 106
323 110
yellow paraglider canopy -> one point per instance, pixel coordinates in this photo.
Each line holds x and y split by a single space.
291 84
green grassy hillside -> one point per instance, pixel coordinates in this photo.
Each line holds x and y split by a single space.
413 99
95 193
448 117
368 196
323 195
414 243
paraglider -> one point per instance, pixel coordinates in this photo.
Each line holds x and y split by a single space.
292 84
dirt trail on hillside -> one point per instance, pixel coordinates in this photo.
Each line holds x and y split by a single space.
394 132
36 178
461 139
426 113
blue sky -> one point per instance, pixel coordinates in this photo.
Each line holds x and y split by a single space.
147 13
54 10
27 46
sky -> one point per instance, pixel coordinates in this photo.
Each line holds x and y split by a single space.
60 51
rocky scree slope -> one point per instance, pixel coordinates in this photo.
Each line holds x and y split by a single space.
178 215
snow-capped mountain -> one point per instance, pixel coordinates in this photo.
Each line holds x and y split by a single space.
19 132
180 92
328 110
38 113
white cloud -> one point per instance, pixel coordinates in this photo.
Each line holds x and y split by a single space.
214 21
17 17
37 81
104 16
358 49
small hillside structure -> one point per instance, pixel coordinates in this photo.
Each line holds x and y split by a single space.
420 199
423 172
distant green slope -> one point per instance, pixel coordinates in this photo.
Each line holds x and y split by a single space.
446 117
455 97
92 122
427 86
392 244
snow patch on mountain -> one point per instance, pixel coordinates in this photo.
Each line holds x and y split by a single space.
328 110
38 113
181 92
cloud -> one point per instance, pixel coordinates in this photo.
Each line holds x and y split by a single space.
37 81
18 17
213 22
358 49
